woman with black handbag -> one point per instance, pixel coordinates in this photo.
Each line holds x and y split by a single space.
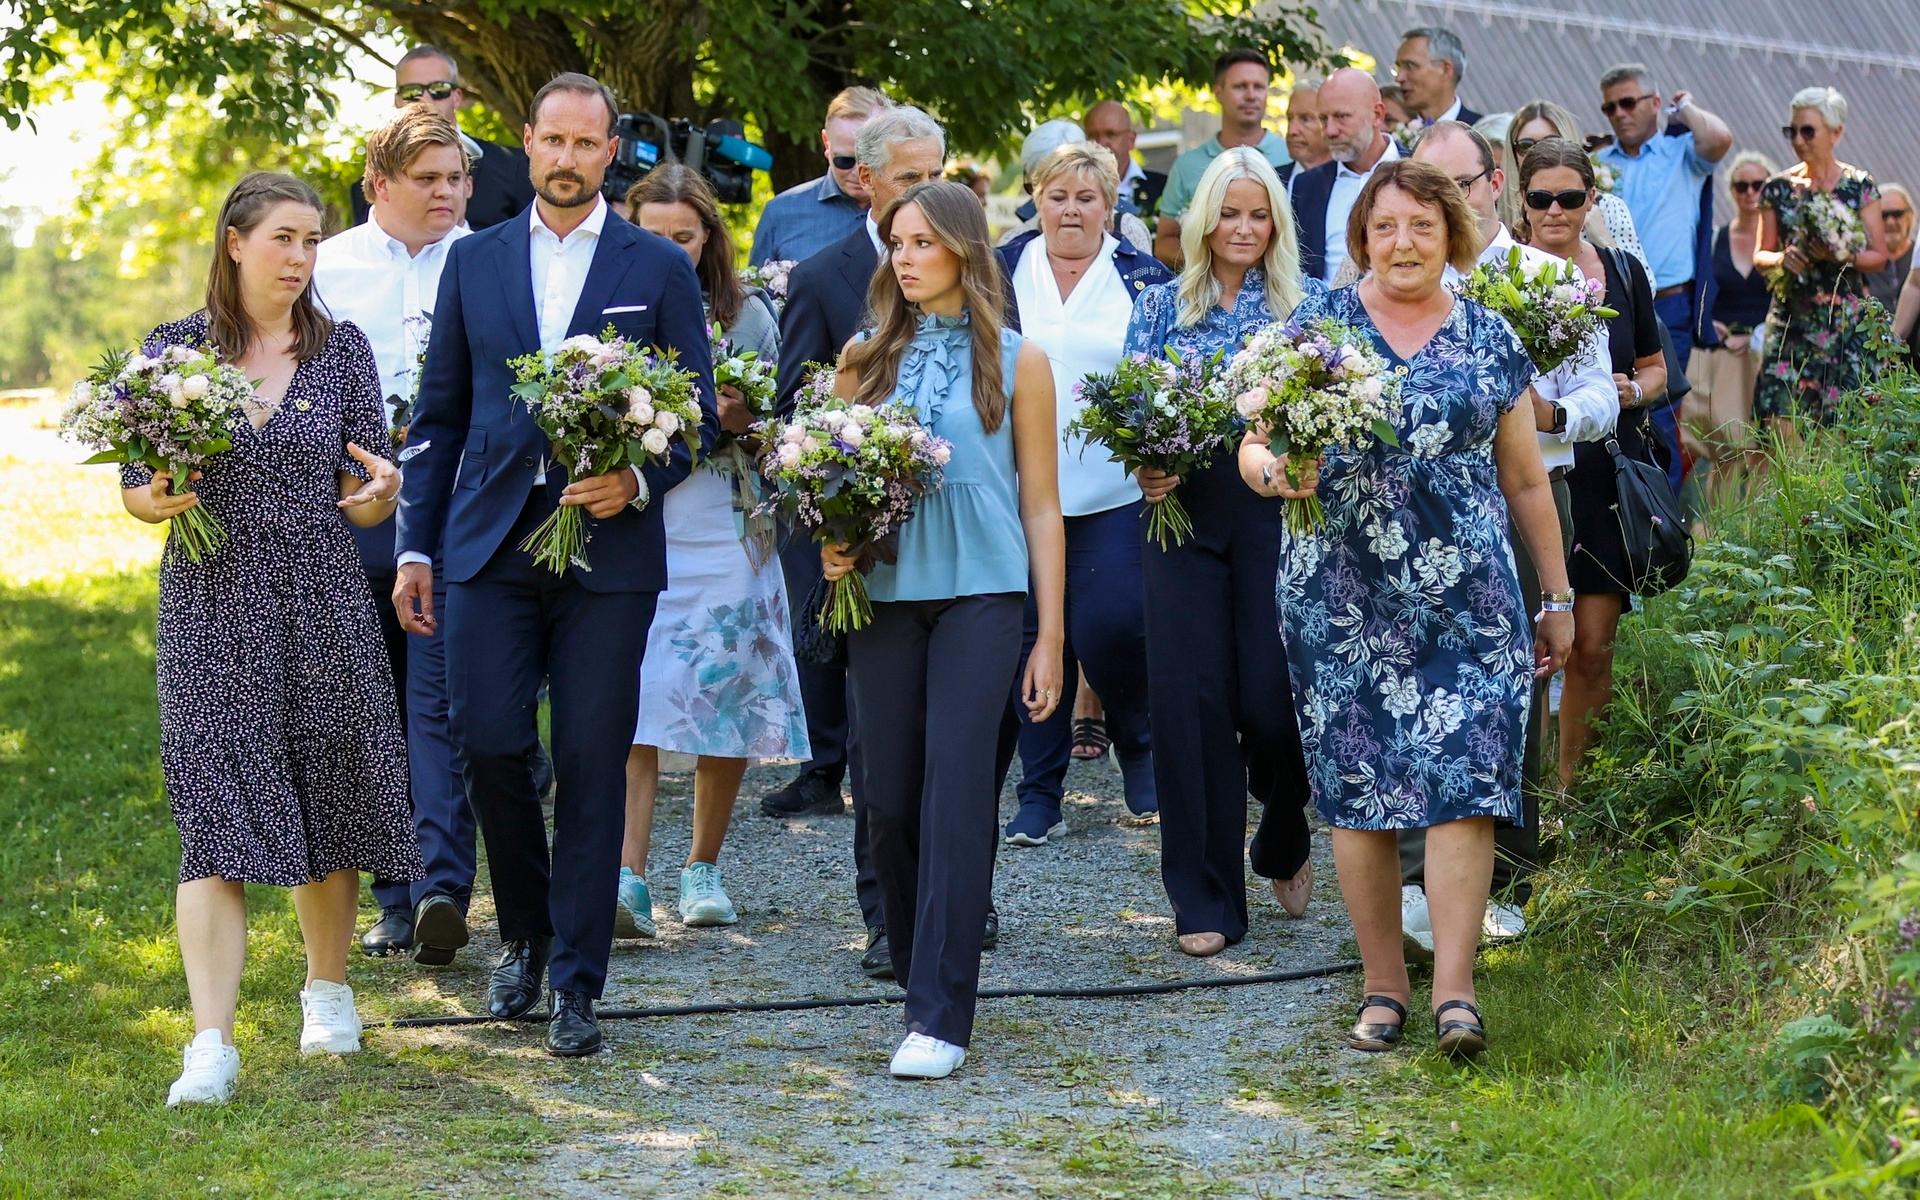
1556 184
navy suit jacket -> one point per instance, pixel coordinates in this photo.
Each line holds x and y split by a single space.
1311 191
826 306
1138 271
475 448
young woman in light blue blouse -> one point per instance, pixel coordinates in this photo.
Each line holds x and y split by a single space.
930 675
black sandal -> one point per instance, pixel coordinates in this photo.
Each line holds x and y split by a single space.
1459 1039
1376 1036
1090 740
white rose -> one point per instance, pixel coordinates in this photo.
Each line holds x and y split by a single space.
666 422
642 413
852 434
918 437
788 455
655 441
195 386
942 453
583 342
792 434
862 413
638 395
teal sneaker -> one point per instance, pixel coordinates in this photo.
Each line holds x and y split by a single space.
703 902
633 907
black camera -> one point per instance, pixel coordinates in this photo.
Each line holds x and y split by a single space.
718 150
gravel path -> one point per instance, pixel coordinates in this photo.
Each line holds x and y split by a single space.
1170 1095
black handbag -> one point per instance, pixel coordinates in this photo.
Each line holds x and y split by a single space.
1652 527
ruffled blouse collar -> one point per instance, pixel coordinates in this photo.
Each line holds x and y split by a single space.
939 358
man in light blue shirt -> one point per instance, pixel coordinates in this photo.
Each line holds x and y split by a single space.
1661 176
1241 81
811 216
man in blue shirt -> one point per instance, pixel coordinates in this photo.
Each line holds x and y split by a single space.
811 216
1241 82
1663 178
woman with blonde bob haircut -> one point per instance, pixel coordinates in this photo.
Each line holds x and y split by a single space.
1213 645
929 674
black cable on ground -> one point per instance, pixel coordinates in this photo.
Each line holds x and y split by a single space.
768 1006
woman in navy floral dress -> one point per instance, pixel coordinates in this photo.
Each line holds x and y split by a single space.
1412 659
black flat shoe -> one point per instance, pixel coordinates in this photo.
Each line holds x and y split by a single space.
991 936
1459 1039
572 1031
514 987
439 929
812 793
877 962
1376 1036
391 934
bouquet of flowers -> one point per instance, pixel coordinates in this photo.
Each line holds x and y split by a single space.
605 404
1312 388
849 473
1555 311
1604 179
1827 224
770 277
754 380
167 405
1159 413
1406 135
419 331
744 372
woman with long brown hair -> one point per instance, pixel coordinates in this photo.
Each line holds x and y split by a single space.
279 732
718 678
930 675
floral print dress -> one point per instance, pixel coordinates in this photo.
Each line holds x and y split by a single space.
1410 651
1815 339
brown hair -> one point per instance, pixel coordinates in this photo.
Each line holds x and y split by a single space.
392 148
574 81
1428 185
677 183
228 325
960 224
1544 155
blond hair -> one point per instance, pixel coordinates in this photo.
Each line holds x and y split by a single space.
1199 291
392 148
1085 158
857 102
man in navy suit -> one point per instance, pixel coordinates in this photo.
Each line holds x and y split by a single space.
483 480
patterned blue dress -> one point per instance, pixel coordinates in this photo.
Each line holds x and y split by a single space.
1409 647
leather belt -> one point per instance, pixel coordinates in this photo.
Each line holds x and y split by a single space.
1678 289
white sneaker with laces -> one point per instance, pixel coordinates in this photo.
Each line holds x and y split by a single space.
923 1057
1503 922
1416 926
209 1068
330 1024
704 903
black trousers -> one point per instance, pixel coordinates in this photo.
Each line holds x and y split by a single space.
830 728
929 681
1516 848
1223 720
510 626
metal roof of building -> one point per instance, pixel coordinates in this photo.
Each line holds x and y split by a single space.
1742 60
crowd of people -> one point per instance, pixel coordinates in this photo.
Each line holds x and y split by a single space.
326 712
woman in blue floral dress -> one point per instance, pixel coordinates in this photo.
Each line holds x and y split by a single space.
1412 659
1217 734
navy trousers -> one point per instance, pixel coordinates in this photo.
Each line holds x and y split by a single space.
1223 719
1106 636
929 680
507 628
824 692
1676 313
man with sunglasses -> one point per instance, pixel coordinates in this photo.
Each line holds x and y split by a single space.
501 184
1666 177
808 217
1896 218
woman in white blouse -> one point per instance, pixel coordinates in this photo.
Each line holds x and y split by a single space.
1071 287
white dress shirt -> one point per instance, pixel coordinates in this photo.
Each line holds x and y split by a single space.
560 268
1347 183
1583 385
873 235
1082 335
366 276
1452 113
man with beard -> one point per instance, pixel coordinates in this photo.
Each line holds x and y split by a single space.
1357 140
484 480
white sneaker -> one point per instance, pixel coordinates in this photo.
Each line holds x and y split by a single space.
1503 922
209 1068
703 902
1416 926
330 1024
923 1057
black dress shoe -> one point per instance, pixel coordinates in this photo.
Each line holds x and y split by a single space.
991 937
572 1031
811 792
877 962
391 934
514 987
439 929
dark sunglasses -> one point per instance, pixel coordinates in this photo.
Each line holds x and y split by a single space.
1743 186
843 162
1541 200
439 89
1522 145
1895 214
1625 104
1805 133
1466 185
